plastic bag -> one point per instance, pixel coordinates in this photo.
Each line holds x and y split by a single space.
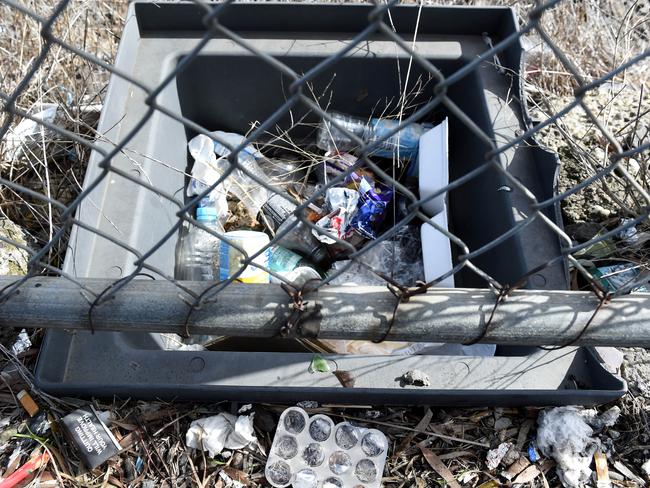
208 168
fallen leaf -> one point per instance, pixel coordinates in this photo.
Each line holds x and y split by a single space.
490 484
124 425
420 427
627 472
516 468
454 455
523 434
527 475
345 378
236 475
439 467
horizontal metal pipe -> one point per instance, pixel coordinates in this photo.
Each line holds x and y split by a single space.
526 317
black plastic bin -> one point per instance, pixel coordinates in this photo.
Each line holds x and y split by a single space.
226 88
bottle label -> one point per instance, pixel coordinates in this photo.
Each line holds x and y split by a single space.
282 260
278 209
230 261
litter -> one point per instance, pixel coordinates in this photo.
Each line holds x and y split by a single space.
26 470
27 135
291 266
628 236
87 430
437 258
336 163
301 240
199 258
619 277
415 377
566 435
230 257
346 217
404 143
495 456
342 203
533 453
400 258
372 209
433 167
225 430
22 344
28 403
602 471
208 169
313 451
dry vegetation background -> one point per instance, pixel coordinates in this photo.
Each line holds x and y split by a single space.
597 35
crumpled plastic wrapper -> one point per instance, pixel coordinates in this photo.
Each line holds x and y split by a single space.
223 431
343 205
399 258
374 199
22 343
566 435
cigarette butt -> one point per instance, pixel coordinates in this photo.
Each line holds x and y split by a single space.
28 403
602 472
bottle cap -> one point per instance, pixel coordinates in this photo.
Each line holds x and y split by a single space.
206 213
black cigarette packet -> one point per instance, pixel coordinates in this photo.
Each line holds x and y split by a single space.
94 441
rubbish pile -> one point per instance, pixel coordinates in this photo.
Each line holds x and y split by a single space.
348 205
322 210
51 441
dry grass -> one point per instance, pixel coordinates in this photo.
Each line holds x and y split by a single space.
52 165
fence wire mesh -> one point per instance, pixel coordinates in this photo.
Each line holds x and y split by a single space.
620 171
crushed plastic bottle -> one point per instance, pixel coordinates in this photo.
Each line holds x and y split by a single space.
405 142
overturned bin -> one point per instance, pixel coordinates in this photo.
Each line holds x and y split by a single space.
228 82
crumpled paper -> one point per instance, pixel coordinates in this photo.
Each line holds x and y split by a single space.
223 431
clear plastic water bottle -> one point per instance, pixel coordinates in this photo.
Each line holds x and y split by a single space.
201 250
405 142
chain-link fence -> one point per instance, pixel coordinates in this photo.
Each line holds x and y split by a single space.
234 174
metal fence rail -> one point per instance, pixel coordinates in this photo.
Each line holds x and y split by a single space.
502 313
